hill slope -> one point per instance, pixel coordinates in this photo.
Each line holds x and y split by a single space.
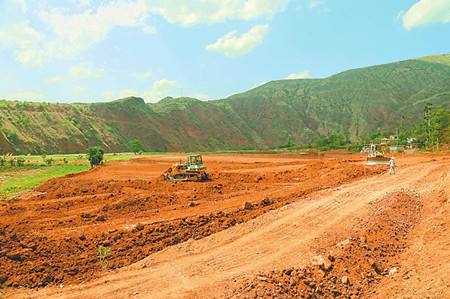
354 103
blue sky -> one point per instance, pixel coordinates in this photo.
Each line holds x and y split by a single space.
87 50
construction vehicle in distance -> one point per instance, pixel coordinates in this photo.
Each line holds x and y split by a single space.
376 154
193 170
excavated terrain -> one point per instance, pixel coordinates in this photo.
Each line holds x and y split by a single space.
354 266
264 226
51 235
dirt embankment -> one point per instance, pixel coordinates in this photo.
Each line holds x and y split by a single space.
51 236
354 266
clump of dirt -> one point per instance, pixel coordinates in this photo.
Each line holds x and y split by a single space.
52 237
354 266
74 259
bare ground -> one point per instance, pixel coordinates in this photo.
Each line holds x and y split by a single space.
389 221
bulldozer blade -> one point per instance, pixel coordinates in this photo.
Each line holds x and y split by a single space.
377 161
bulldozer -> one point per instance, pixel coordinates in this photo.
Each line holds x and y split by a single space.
375 154
193 170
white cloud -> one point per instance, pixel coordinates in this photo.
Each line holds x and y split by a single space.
162 88
75 33
22 5
85 72
25 96
232 45
315 3
399 16
66 35
77 72
110 95
71 34
300 75
188 13
79 89
24 39
54 80
200 96
84 3
149 29
426 12
143 75
78 32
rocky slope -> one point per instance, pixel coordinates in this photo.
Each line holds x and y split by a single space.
353 103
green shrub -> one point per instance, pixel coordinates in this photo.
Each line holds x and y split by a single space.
102 253
10 135
12 162
136 145
49 161
95 155
20 161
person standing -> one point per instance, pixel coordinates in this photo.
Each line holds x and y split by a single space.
392 166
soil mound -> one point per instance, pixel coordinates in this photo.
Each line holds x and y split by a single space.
354 266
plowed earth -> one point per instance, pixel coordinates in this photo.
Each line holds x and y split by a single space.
283 226
354 266
51 235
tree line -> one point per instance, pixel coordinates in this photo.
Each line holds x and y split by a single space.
431 133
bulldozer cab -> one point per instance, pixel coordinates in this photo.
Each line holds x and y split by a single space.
194 160
375 154
192 170
377 150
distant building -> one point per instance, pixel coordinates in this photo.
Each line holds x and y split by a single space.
396 148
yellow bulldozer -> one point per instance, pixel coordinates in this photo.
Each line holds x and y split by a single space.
376 154
193 170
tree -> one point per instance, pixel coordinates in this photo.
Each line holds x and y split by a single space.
95 155
12 137
439 126
402 135
135 145
20 161
290 141
12 162
435 125
427 120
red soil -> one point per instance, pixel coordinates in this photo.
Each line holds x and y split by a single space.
354 266
50 236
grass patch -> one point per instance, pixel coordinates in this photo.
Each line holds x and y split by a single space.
18 180
15 180
127 156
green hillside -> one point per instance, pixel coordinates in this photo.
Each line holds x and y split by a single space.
354 103
442 59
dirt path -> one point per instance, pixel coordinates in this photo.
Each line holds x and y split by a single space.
281 238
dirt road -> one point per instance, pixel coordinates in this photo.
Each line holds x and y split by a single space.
288 237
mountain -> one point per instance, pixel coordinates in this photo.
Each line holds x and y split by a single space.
354 103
